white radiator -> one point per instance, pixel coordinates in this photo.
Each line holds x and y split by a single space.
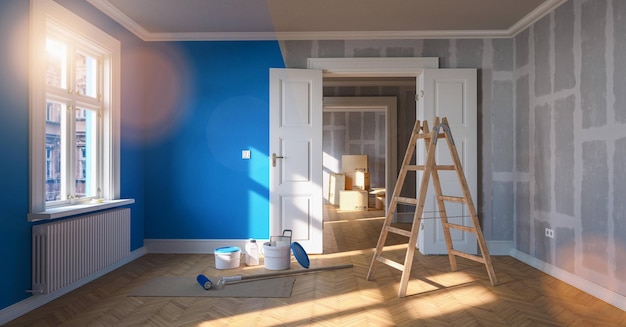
66 251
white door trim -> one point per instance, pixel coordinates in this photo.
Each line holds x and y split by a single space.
373 67
389 106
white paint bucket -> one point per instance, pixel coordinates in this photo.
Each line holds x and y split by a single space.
227 257
277 257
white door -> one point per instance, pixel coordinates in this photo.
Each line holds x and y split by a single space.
296 155
450 93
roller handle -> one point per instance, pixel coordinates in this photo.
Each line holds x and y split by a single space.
232 278
290 272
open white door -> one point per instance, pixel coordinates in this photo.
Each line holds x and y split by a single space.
296 155
450 93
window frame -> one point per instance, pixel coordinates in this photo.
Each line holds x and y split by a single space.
46 17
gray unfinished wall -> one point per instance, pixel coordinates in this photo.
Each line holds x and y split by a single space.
570 145
336 128
494 60
355 133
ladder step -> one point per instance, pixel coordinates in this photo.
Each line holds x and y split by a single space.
400 231
468 256
404 200
422 167
390 263
461 227
444 167
452 198
430 135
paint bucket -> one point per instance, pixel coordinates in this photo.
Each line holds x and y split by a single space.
227 257
277 257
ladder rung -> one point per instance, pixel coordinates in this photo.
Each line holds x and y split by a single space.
461 227
422 167
404 200
400 231
390 263
452 198
468 256
414 167
430 135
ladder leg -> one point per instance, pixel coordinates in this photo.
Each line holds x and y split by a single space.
470 205
394 203
417 218
410 253
444 219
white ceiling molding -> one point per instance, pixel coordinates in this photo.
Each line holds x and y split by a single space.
117 15
113 12
535 15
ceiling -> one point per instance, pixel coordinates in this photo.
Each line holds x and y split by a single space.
163 20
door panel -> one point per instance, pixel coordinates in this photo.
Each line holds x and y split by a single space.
296 139
297 213
449 93
296 166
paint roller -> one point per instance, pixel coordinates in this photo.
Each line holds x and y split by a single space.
204 281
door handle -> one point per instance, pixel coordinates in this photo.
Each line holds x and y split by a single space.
274 157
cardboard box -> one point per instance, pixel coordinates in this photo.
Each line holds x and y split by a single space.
353 200
337 183
351 163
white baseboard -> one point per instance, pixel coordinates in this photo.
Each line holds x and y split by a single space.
20 308
191 246
584 285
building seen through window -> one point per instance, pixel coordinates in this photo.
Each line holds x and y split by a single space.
72 126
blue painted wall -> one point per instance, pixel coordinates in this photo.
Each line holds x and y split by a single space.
215 98
188 109
14 230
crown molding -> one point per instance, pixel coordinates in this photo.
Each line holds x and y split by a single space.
117 15
300 36
535 15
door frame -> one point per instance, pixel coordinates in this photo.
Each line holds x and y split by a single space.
389 106
373 67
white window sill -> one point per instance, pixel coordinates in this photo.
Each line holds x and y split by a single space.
77 209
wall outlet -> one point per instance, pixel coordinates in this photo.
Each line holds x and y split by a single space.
245 154
549 233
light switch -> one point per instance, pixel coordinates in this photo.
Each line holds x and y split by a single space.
245 154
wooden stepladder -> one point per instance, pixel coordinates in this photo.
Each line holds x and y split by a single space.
430 169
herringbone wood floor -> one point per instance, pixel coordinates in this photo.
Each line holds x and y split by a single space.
436 296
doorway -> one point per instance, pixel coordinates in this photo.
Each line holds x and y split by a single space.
357 125
363 76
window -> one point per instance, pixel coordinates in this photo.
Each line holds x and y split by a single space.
74 107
